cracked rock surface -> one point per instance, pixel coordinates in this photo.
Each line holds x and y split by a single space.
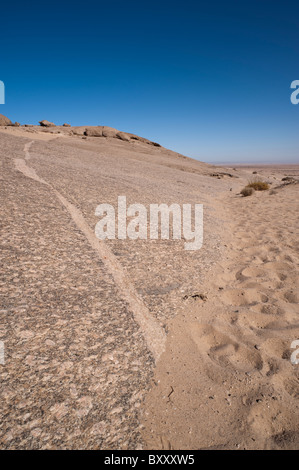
77 366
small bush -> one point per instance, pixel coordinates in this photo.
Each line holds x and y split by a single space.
258 185
247 191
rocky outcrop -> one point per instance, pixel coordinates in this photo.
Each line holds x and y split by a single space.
46 123
83 131
105 131
4 121
109 132
94 131
101 131
79 130
123 136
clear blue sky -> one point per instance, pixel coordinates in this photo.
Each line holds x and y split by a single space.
208 79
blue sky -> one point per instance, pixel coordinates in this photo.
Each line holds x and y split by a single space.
208 79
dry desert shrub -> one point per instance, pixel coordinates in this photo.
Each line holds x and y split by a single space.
247 191
257 184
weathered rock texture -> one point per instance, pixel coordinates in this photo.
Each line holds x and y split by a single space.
4 121
46 123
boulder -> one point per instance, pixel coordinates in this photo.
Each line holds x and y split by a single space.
140 139
66 125
79 130
4 121
94 131
109 131
102 131
123 136
155 144
46 123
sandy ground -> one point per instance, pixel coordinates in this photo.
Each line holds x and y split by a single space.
140 344
226 380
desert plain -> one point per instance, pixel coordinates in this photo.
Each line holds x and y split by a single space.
140 344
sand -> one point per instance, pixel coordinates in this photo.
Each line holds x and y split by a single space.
140 344
226 380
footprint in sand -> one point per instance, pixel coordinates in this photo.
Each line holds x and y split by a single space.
253 272
261 274
273 367
291 297
268 309
278 266
275 348
267 418
240 297
225 351
260 322
291 386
